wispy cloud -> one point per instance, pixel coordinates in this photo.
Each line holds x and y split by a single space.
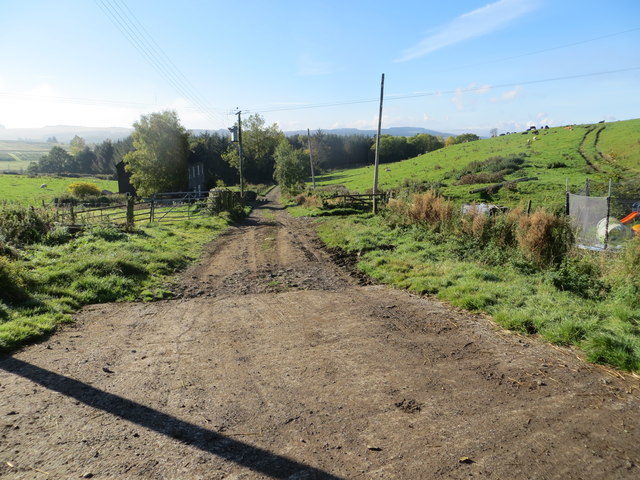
508 95
473 24
461 94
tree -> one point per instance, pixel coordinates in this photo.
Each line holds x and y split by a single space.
56 161
466 137
258 146
77 145
84 161
424 142
493 132
105 156
290 166
158 162
392 149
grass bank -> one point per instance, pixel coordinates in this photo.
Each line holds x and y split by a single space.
568 297
42 284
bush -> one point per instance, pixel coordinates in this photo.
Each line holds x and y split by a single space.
544 238
23 225
580 276
474 178
432 209
84 189
13 282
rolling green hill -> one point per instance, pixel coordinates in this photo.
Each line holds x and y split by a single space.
15 156
596 152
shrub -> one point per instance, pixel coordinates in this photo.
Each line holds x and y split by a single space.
13 282
544 238
432 209
474 178
84 189
23 225
579 275
557 165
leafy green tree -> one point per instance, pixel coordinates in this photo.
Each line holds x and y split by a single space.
290 167
424 142
56 161
158 162
392 149
77 145
467 137
259 143
84 161
105 156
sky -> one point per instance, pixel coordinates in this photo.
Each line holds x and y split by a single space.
450 66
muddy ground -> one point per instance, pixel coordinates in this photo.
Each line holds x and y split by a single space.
275 362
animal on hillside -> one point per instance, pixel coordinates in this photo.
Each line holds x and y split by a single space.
568 127
44 185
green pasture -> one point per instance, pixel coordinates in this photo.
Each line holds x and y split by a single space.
554 157
25 190
15 156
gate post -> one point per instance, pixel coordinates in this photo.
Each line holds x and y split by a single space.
130 217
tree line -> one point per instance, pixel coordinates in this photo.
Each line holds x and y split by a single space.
160 150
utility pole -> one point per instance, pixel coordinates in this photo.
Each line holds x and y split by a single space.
239 112
377 157
313 177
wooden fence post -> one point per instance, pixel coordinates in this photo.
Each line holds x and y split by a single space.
130 216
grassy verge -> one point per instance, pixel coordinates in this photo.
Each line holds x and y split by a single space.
590 300
46 282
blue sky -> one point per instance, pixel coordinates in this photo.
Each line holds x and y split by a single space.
449 66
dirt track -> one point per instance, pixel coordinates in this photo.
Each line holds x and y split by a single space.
273 362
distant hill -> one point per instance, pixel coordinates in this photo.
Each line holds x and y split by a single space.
64 133
395 131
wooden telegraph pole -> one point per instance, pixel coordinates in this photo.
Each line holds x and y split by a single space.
240 152
377 157
313 177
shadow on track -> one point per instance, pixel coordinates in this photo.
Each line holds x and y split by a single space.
254 458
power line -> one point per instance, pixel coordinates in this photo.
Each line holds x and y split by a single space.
559 47
438 92
144 44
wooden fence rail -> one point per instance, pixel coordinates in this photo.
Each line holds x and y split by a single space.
162 207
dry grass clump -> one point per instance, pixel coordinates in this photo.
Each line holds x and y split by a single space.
474 223
474 178
544 238
430 208
308 200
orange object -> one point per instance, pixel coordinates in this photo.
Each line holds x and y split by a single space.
636 229
629 218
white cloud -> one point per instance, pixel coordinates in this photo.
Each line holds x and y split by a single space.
460 97
476 23
508 95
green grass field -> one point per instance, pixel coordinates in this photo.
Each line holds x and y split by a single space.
15 156
25 190
553 158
